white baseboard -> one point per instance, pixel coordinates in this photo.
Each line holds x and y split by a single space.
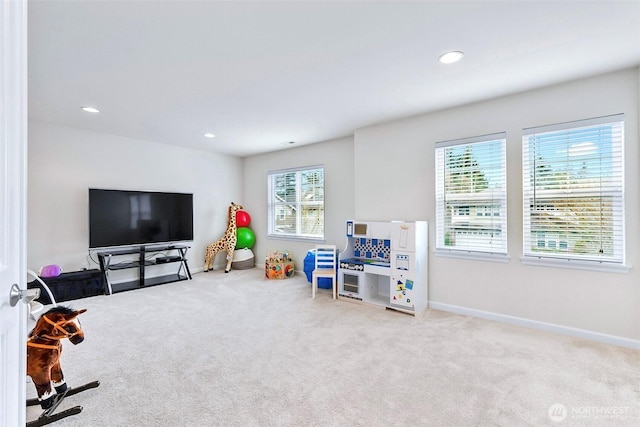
215 267
542 326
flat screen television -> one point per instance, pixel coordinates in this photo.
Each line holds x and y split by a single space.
123 218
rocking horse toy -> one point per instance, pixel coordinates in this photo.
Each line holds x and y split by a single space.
43 362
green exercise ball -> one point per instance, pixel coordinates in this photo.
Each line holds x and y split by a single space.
245 238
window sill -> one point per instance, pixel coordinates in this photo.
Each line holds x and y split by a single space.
477 256
295 238
575 264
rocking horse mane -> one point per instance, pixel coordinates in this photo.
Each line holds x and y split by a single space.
60 309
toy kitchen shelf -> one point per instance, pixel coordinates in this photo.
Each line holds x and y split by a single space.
385 264
147 256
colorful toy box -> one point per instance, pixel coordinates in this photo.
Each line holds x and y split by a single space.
278 265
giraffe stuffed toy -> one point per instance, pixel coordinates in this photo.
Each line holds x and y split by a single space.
225 243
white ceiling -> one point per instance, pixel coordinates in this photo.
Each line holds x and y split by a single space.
260 74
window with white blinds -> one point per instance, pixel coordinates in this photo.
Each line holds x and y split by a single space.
573 190
296 203
471 195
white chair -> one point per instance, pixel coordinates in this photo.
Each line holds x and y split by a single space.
325 266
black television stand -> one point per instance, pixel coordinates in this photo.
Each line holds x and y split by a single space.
144 260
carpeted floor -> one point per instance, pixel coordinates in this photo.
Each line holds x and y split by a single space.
239 350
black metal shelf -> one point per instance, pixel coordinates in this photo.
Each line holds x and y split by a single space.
153 281
107 264
125 265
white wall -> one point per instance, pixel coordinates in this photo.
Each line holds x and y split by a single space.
387 173
383 172
401 154
337 158
64 162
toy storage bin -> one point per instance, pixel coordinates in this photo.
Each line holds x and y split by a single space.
71 286
242 259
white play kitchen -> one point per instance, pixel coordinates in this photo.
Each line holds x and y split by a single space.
385 264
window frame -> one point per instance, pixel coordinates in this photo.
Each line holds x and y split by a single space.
542 196
497 194
276 209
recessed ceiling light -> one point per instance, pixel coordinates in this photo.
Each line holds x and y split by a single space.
90 110
451 57
209 135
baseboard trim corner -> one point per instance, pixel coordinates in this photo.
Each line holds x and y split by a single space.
541 326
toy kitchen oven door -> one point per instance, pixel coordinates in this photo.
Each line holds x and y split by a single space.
403 293
351 279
